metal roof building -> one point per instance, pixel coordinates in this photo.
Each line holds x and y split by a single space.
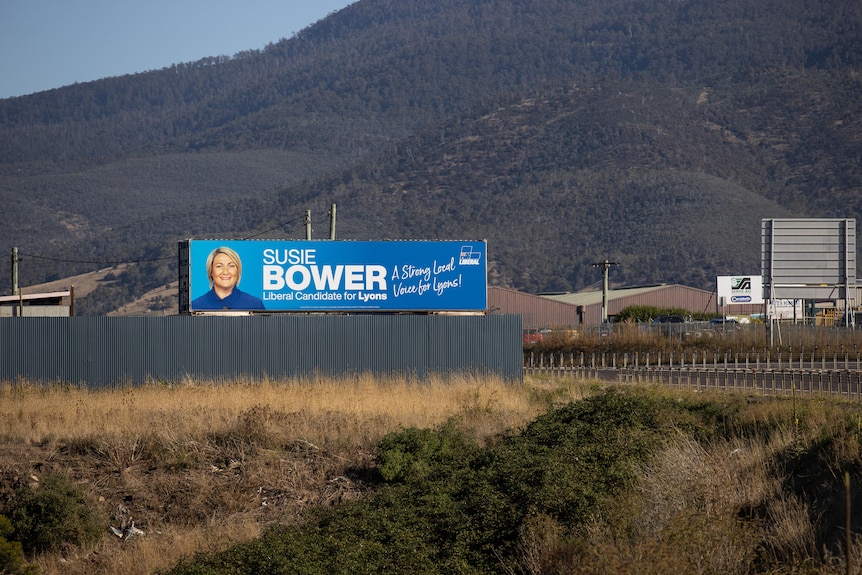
561 310
49 304
535 311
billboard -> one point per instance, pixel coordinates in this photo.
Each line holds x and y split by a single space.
808 258
743 289
328 275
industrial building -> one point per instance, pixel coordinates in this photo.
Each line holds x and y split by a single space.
48 304
572 310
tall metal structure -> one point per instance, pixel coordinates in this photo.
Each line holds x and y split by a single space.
809 259
605 265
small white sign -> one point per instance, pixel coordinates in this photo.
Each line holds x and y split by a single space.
784 309
742 289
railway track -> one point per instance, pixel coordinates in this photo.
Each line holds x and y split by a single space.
835 377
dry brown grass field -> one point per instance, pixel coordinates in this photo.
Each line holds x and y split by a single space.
203 465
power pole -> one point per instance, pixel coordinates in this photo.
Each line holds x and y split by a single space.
605 265
15 261
332 222
308 224
15 289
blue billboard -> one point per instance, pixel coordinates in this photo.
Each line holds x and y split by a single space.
328 275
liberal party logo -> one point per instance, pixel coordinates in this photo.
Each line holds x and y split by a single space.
740 284
469 256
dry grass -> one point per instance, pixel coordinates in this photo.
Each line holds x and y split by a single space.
201 465
723 508
35 414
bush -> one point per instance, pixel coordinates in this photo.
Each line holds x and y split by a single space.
412 454
11 553
451 506
639 313
53 514
647 313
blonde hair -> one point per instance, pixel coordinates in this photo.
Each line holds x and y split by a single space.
234 257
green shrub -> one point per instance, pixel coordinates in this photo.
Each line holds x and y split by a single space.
647 313
639 313
450 506
413 454
12 553
53 514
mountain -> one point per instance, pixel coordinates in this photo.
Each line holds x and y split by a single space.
657 135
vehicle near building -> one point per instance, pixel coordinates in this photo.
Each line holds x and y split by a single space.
665 318
532 336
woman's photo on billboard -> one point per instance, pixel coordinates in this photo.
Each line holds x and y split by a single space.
224 271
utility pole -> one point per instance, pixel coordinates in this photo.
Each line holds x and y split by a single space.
605 265
332 222
308 224
15 261
15 289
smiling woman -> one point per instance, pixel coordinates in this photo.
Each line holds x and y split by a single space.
224 270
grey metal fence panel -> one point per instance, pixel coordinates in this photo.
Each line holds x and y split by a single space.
102 351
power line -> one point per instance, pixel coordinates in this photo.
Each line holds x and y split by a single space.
105 263
148 260
275 227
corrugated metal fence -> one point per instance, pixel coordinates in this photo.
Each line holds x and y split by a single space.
105 351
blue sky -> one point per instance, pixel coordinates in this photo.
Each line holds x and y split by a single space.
47 44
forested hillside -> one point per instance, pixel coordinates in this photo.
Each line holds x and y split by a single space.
656 134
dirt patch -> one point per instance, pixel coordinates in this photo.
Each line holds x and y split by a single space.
170 490
82 284
160 301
